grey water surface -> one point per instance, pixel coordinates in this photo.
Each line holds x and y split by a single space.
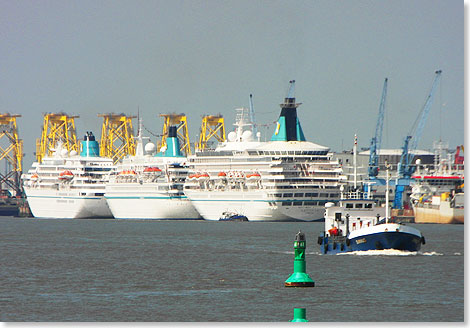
137 270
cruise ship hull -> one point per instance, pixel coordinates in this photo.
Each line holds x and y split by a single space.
212 205
66 205
145 203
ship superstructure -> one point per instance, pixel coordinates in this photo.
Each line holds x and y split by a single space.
285 179
69 185
148 186
438 197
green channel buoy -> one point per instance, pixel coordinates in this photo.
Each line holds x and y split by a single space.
300 315
299 278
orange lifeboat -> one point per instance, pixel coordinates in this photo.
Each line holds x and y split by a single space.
34 177
152 169
222 174
66 175
203 176
253 176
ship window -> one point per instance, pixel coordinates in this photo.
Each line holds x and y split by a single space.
358 206
299 194
323 195
287 195
368 205
349 205
308 194
286 204
314 194
297 203
310 203
322 202
99 194
334 195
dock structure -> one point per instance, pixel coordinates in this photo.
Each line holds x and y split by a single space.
117 137
57 127
212 127
180 120
11 151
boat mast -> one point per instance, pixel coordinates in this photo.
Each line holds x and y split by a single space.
355 161
387 191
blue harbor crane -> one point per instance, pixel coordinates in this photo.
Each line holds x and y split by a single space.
375 142
405 166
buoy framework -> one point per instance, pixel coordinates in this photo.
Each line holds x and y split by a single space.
299 278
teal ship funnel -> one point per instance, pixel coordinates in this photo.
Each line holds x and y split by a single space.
90 147
172 147
288 126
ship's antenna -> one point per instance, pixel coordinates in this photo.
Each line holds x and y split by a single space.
290 93
252 115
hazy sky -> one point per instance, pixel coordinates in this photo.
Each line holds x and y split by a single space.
206 57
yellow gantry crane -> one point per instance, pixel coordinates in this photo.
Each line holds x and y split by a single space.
57 127
11 150
117 137
182 131
212 127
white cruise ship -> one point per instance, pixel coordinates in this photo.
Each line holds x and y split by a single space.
148 186
285 179
68 185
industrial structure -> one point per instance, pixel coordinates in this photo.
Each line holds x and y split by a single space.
57 127
11 150
182 133
212 127
117 137
406 167
376 141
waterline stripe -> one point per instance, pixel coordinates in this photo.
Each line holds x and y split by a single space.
149 197
65 197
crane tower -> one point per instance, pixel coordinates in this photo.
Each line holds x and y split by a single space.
117 138
57 127
181 122
11 150
212 126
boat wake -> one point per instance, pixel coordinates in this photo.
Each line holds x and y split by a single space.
390 252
